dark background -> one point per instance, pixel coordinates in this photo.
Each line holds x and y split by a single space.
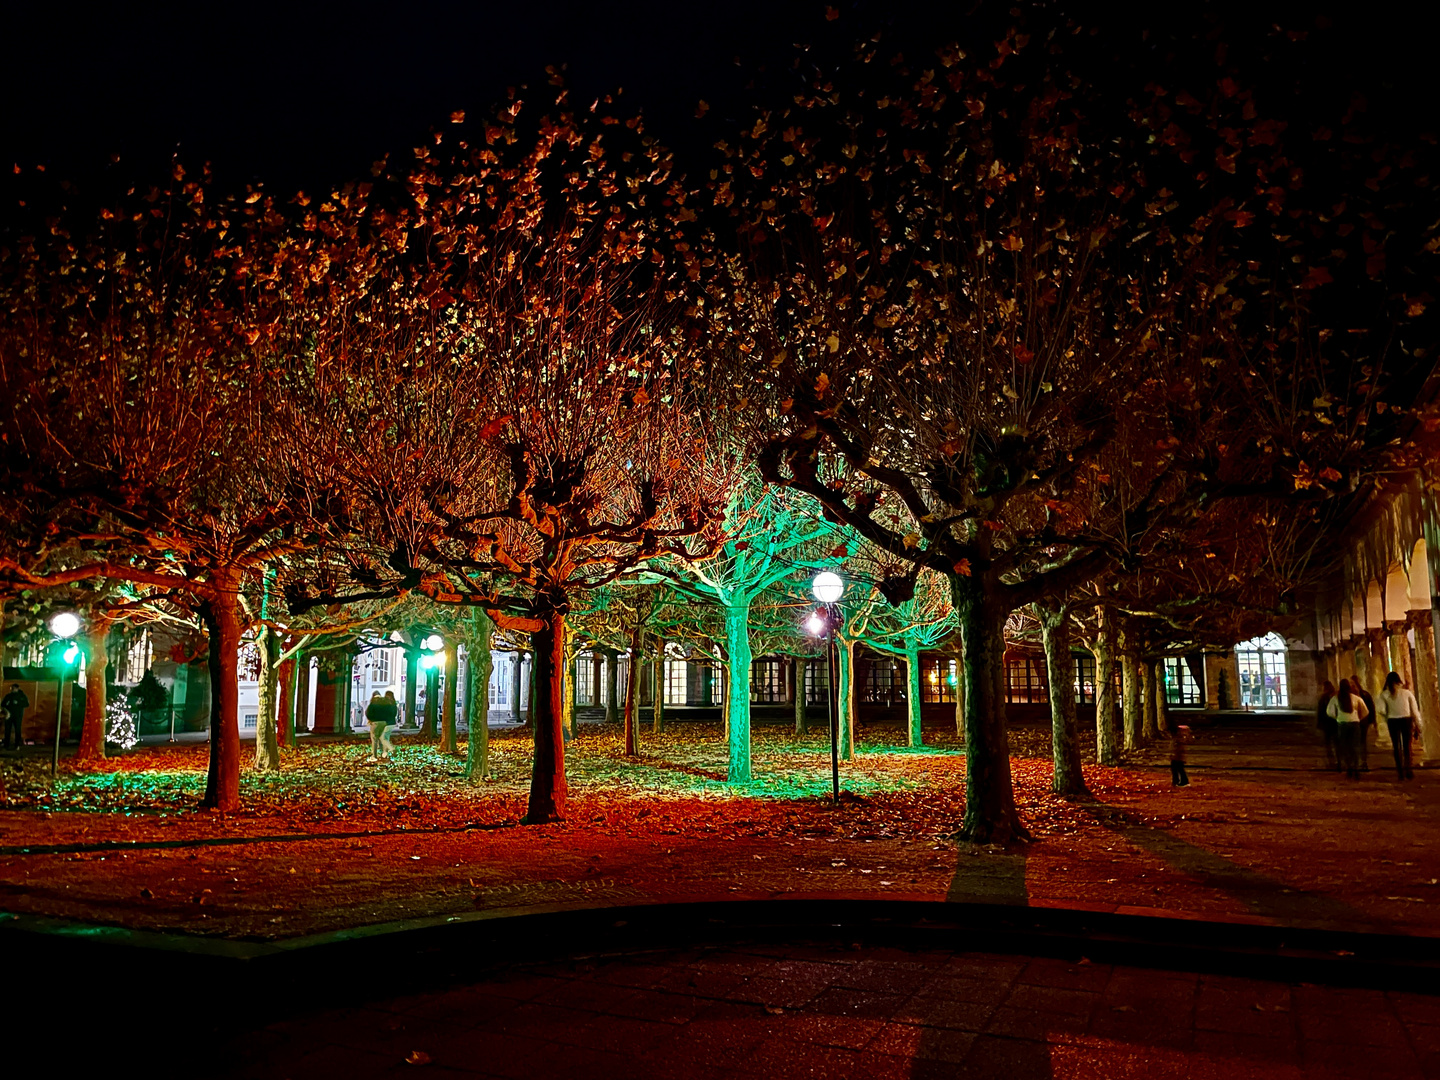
305 95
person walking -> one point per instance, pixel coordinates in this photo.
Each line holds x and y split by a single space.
1349 712
1358 689
1401 712
390 717
374 713
1326 723
15 703
1178 738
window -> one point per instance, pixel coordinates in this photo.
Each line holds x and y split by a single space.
500 682
248 721
1025 681
817 682
1084 680
380 666
249 664
1264 682
676 682
1180 685
938 679
767 680
882 682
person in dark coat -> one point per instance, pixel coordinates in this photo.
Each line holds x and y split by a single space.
1363 746
15 703
1328 728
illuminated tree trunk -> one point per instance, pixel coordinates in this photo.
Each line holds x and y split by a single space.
845 647
571 661
449 743
1069 779
302 692
1162 699
97 664
657 720
1148 681
221 614
285 721
632 696
913 691
1130 688
1106 751
612 687
477 698
990 814
548 790
737 697
802 722
432 701
412 680
267 745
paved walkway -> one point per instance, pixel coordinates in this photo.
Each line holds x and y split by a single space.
871 1012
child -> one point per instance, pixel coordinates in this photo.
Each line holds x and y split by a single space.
1178 776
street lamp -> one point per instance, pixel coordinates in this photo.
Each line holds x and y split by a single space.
64 626
828 588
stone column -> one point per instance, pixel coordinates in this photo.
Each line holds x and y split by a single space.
1427 686
1400 651
1374 677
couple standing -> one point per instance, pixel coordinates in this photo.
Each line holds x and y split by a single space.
382 714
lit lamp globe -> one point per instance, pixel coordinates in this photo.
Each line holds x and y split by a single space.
65 625
815 624
827 587
434 642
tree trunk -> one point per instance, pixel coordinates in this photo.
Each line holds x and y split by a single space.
1064 731
1147 680
302 692
959 691
1130 688
802 722
1162 699
1106 751
267 745
632 696
412 683
657 715
432 701
548 790
913 692
612 686
477 698
990 815
285 720
571 662
449 743
97 664
221 614
845 648
737 697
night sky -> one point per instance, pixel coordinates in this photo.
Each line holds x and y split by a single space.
304 95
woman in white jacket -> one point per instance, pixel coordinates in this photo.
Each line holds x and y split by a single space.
1349 713
1401 713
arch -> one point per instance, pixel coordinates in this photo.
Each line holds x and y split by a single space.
1374 607
1397 593
1421 588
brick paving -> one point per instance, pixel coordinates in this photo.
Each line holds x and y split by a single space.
873 1012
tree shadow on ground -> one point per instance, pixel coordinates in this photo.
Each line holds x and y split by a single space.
1261 894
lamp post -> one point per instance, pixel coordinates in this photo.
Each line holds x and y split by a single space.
64 626
828 588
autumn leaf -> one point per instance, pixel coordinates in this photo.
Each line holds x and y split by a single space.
822 384
457 117
417 1057
1013 242
1329 474
1317 276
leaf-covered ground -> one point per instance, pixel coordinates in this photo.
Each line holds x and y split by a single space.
333 841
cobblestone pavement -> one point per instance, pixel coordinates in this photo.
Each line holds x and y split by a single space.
873 1012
